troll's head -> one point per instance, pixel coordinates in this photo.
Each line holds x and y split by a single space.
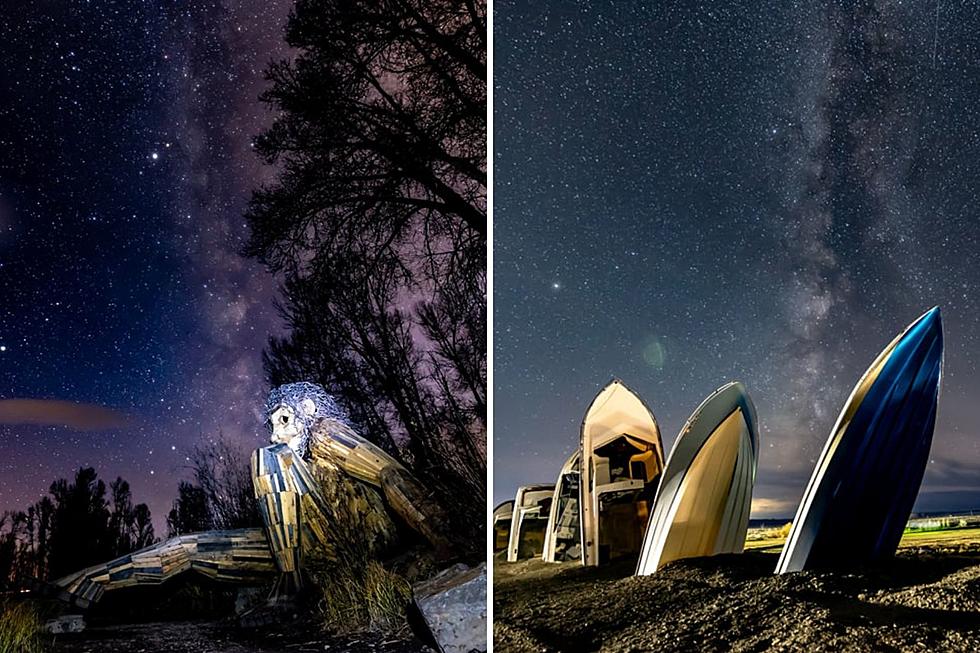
292 409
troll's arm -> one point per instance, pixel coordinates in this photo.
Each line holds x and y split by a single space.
334 443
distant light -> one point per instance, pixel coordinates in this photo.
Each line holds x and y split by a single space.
654 353
3 347
154 156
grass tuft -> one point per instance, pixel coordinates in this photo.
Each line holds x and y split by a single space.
20 628
386 595
359 598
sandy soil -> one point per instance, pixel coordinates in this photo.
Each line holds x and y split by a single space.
927 599
212 637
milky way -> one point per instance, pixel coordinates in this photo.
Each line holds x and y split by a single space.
125 166
768 193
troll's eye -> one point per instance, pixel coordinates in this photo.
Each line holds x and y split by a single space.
284 419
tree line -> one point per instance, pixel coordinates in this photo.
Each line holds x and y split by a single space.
83 522
77 524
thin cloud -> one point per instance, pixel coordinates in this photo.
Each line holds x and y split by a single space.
55 412
763 508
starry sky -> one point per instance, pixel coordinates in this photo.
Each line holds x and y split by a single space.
130 328
770 192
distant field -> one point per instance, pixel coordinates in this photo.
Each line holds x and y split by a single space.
953 536
773 540
765 543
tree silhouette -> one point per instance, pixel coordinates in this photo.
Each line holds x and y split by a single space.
190 513
142 527
44 510
8 548
382 129
80 524
130 527
221 495
121 517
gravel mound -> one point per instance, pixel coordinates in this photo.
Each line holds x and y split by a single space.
923 600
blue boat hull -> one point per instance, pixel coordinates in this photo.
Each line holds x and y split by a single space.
863 488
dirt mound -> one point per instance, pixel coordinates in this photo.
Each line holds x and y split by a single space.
924 600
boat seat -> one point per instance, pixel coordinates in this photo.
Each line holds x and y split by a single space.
644 465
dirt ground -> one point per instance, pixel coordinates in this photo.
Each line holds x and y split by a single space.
216 637
193 615
927 599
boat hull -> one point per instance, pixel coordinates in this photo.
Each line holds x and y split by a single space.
705 494
865 483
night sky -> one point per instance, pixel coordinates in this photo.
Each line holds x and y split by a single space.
770 193
125 166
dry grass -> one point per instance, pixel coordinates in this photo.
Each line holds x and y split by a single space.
360 598
387 595
20 628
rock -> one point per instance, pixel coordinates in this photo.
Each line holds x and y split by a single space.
454 606
68 623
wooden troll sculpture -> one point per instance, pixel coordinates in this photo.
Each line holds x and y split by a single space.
309 432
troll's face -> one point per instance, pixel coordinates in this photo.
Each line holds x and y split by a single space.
286 427
291 411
